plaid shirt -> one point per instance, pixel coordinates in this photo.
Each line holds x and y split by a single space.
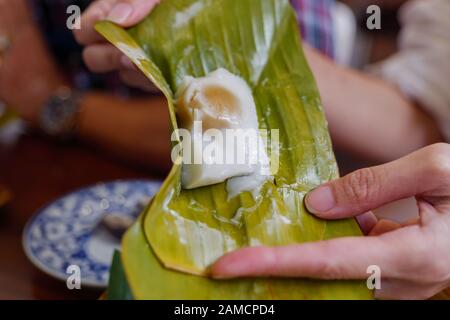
314 19
316 24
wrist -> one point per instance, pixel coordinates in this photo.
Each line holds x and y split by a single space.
59 116
39 79
37 99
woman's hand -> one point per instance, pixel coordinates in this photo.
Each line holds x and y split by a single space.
28 76
102 57
414 260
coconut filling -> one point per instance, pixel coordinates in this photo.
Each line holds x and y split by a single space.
225 144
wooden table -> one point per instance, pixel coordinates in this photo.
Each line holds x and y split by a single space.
38 171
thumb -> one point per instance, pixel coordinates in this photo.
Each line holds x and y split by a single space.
423 172
128 13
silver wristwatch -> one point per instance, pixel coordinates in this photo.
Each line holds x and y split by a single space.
59 117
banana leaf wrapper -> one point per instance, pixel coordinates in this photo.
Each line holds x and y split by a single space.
167 253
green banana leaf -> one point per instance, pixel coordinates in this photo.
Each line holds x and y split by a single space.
118 288
150 280
184 231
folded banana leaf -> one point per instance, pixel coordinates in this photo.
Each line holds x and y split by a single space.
168 252
118 288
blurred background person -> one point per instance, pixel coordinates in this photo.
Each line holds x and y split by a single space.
44 81
52 90
415 59
370 116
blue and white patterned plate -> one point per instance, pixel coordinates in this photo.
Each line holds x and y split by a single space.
68 231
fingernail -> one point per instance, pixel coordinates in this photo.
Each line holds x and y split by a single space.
320 200
220 271
220 276
120 13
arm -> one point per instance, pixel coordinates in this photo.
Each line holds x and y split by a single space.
134 129
368 116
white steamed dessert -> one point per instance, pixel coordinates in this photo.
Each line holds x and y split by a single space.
220 113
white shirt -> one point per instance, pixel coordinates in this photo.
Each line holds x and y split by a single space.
421 67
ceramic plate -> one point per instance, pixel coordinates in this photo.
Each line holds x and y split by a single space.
69 232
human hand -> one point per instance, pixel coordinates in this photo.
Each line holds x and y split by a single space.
414 260
28 76
100 56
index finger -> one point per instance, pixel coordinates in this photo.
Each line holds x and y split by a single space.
344 258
